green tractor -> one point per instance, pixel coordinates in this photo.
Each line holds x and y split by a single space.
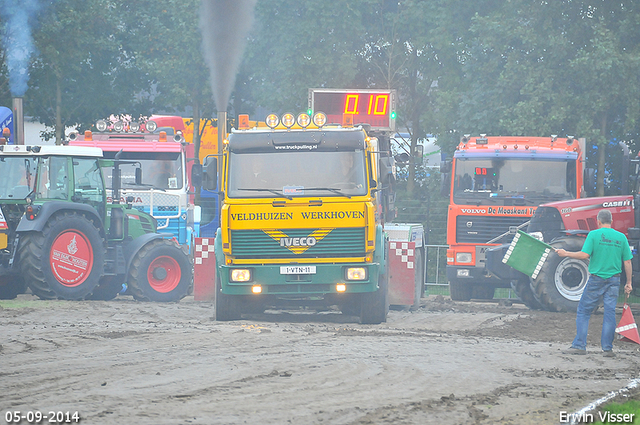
61 238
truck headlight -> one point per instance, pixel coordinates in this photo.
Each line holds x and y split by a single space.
357 273
463 257
241 275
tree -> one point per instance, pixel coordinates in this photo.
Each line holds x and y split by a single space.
83 71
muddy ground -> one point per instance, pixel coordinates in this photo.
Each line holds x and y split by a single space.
127 362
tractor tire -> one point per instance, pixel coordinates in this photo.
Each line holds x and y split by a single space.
11 286
375 305
65 260
419 279
460 290
523 290
226 307
161 272
561 280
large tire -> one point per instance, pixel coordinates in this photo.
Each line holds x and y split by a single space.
11 286
65 260
523 290
460 290
375 305
419 279
561 280
226 307
160 271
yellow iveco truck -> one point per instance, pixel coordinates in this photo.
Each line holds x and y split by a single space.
301 219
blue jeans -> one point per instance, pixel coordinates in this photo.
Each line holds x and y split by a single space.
597 288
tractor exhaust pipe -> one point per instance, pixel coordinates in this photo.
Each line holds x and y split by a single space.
18 121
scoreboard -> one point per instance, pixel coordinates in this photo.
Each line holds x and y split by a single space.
374 107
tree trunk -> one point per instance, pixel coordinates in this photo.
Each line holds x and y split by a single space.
601 156
59 127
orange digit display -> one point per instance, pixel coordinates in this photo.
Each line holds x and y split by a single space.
372 107
351 104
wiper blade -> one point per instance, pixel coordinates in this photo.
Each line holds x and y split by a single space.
330 189
275 192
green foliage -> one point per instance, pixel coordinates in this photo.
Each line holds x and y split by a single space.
459 66
631 407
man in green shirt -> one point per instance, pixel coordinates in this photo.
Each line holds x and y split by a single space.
606 249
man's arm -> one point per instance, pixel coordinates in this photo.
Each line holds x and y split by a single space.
578 255
628 270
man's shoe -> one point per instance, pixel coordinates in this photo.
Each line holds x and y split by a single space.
608 353
575 351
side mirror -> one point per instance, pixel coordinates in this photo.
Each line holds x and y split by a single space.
138 176
196 175
210 174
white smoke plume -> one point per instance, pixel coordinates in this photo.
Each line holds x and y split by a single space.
225 25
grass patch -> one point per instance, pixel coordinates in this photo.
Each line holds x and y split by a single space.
615 412
34 304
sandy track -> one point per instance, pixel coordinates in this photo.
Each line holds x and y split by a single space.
447 363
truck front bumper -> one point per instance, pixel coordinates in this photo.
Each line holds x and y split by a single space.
327 279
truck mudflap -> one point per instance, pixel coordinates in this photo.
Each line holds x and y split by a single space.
496 267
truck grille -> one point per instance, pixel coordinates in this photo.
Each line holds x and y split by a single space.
256 244
479 229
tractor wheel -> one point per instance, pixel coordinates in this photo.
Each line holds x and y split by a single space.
419 279
227 307
65 260
460 290
523 290
375 305
561 280
160 271
11 286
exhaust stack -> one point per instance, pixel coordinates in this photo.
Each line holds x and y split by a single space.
18 121
222 134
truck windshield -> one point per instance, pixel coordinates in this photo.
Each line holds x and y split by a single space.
160 170
290 174
18 177
489 181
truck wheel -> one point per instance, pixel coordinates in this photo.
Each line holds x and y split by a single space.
11 286
460 290
560 283
226 307
161 272
65 260
523 290
419 279
375 305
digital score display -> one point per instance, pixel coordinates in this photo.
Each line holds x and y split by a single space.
373 107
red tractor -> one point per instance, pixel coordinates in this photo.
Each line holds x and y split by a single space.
565 224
